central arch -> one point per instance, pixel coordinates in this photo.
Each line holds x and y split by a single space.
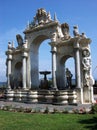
34 58
44 57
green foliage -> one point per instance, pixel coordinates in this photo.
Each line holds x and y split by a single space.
65 111
80 111
46 110
94 108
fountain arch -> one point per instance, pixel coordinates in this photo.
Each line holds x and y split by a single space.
63 46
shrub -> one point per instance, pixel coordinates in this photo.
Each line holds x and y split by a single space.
28 110
55 110
82 110
65 111
93 109
46 110
20 109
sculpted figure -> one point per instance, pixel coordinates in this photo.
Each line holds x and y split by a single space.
42 16
19 39
53 37
86 61
65 30
9 45
69 78
75 31
41 12
90 81
83 35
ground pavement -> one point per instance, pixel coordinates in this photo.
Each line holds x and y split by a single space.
44 106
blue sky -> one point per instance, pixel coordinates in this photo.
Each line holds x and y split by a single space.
14 15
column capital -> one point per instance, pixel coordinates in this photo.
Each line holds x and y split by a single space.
52 43
9 57
76 45
9 52
24 49
53 49
25 54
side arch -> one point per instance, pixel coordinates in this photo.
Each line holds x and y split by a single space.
61 76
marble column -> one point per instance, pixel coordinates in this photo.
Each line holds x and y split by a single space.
77 65
24 73
53 51
9 60
65 75
28 74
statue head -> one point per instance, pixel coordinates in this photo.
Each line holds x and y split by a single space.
65 25
65 30
41 12
86 52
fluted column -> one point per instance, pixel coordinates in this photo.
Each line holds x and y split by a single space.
77 65
53 51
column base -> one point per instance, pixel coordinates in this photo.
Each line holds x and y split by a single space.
25 89
55 88
79 95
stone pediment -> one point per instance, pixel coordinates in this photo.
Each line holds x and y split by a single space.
41 27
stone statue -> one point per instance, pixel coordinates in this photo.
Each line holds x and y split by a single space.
53 37
69 78
75 31
42 16
90 81
9 45
65 30
86 61
83 35
19 39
